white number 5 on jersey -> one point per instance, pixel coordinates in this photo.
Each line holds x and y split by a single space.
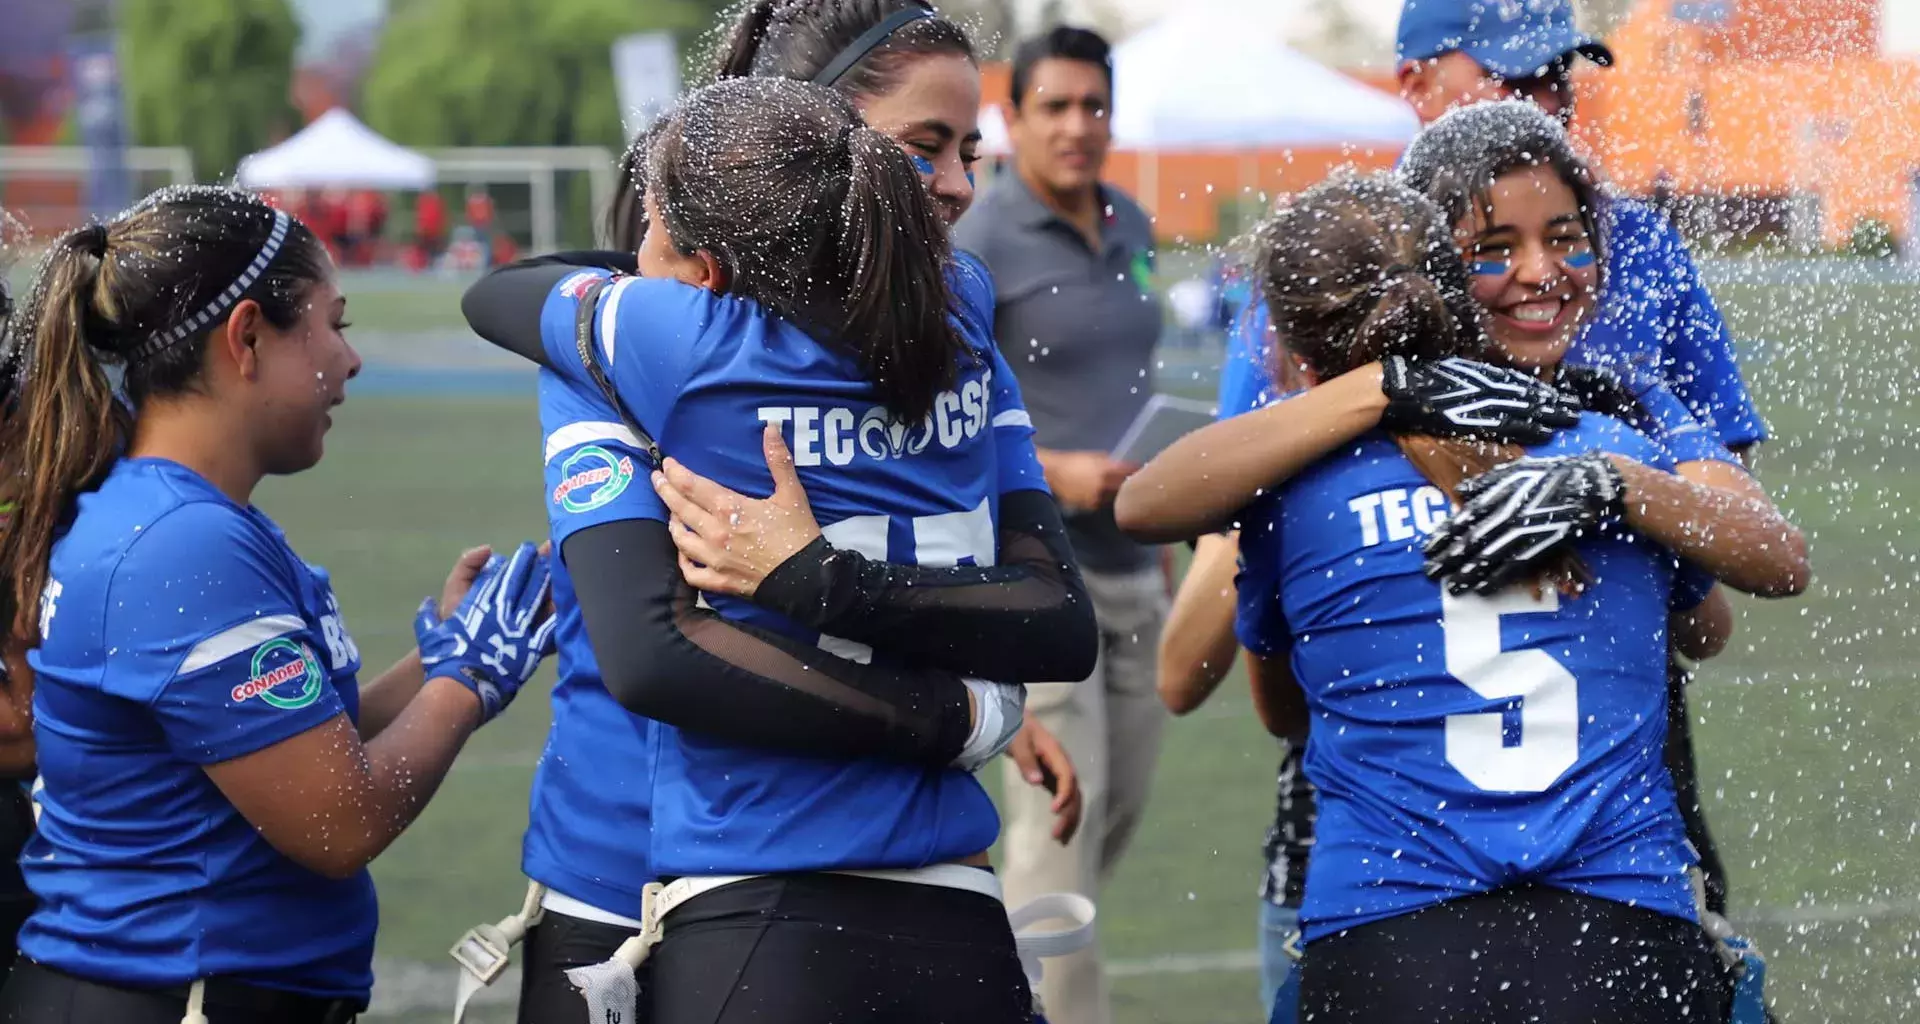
1548 693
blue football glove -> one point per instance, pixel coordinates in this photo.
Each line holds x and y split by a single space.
492 643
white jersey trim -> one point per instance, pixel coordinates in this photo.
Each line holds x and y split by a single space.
244 637
609 316
586 431
1012 418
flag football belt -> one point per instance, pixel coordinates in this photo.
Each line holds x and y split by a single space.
611 987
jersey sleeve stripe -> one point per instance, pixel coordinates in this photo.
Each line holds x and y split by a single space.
586 431
244 637
1013 418
610 316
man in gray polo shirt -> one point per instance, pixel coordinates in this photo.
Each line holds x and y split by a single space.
1077 322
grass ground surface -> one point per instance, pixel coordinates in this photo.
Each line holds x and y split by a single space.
1805 727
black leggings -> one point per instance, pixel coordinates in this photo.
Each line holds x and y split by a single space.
1528 954
1686 788
837 949
38 994
556 945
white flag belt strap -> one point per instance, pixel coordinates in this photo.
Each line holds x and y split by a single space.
484 951
566 906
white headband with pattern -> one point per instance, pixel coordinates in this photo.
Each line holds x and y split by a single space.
160 341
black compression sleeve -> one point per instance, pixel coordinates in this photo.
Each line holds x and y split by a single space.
1026 619
504 306
664 657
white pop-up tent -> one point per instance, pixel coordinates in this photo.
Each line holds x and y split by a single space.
1192 81
337 151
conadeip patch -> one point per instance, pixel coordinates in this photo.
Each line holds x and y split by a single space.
278 666
591 477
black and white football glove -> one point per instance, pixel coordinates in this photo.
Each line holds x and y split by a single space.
1456 397
1513 516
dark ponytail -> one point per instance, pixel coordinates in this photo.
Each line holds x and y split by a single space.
120 293
735 57
895 247
818 218
1362 268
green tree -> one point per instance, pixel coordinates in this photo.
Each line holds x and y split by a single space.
511 72
214 76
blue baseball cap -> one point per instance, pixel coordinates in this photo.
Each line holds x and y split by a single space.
1510 38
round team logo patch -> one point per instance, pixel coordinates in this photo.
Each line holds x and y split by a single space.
590 478
278 667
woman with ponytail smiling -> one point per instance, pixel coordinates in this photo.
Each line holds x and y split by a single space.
214 778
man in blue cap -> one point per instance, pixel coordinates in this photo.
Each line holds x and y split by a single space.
1455 52
1656 318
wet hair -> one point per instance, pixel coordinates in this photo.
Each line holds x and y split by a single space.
1456 160
142 292
1358 269
626 217
820 219
1062 42
802 38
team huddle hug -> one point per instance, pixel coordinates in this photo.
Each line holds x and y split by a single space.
838 516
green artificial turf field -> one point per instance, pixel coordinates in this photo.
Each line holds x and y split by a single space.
1805 726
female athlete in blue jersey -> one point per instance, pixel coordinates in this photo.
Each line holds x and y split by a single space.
773 193
917 82
1497 836
214 780
1518 145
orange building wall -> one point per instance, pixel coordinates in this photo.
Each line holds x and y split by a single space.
1840 127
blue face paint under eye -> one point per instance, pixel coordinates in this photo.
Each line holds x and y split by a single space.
1490 268
969 179
921 164
1578 260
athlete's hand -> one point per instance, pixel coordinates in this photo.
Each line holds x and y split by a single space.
728 542
1514 515
1084 481
498 633
1456 397
466 569
1042 761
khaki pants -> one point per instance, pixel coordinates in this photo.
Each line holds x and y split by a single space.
1110 725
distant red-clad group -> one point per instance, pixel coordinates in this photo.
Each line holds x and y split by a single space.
353 224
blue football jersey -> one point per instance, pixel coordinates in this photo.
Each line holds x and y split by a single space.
178 630
1657 318
704 374
1464 743
591 806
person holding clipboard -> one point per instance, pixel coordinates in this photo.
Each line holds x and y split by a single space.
1077 320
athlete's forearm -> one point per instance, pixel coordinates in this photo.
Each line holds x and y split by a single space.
1027 618
1197 484
662 656
1197 645
405 765
382 700
1741 539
